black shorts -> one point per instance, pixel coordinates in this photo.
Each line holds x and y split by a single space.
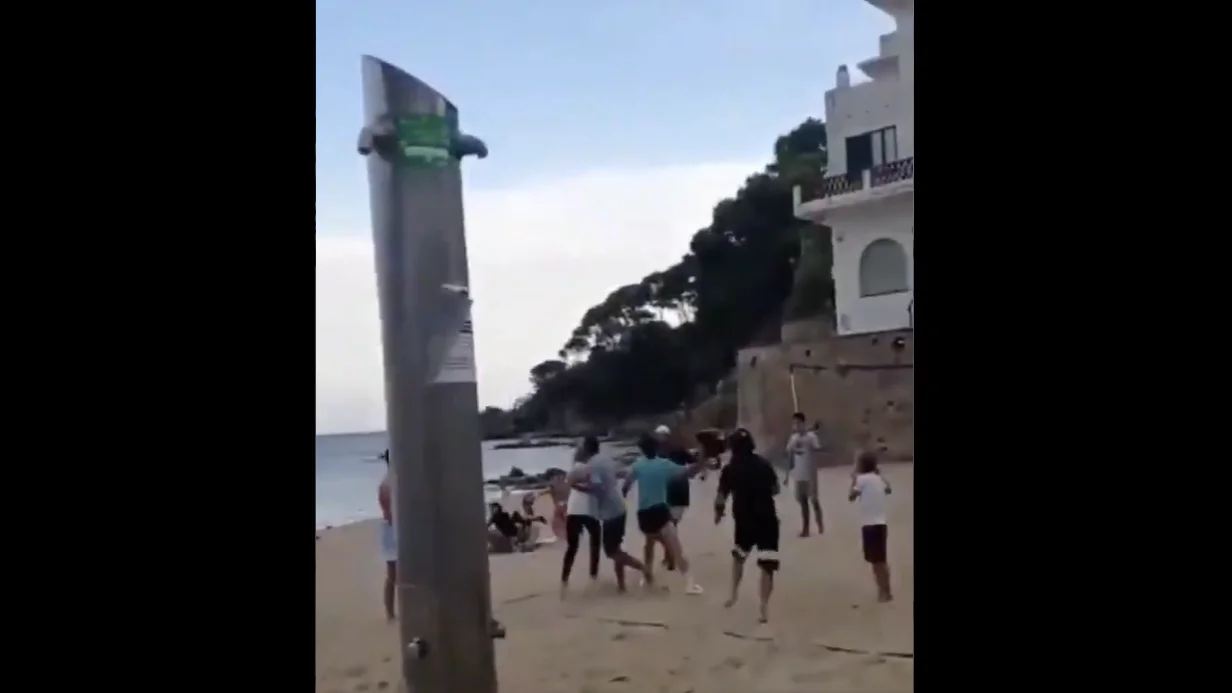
761 536
805 490
613 534
652 520
874 539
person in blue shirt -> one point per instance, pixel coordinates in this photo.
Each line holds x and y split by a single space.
653 474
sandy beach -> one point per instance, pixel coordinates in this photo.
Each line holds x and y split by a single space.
826 630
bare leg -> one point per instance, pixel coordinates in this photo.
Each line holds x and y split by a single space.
737 574
821 528
672 543
765 589
668 562
391 579
621 560
881 573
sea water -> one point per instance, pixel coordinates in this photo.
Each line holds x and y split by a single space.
349 470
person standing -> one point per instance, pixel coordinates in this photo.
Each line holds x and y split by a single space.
803 450
580 517
869 490
678 487
752 483
389 538
652 474
599 477
558 491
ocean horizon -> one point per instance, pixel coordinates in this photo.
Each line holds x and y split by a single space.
349 470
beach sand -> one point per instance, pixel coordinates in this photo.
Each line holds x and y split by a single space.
826 630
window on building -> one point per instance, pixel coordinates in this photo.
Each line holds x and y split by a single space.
872 149
883 268
885 145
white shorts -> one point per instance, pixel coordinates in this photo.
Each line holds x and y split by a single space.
389 543
678 512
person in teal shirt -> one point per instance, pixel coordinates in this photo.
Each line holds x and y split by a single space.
653 474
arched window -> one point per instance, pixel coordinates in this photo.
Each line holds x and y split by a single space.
883 268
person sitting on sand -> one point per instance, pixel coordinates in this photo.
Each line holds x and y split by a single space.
528 509
869 490
752 483
505 535
652 474
389 538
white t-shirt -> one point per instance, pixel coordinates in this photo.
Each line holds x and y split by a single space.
803 448
871 503
580 502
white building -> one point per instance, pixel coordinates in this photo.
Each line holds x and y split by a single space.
868 197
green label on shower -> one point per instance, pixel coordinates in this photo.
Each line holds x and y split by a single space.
423 140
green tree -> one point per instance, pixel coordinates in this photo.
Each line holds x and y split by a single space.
667 340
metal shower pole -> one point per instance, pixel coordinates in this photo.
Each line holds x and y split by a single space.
414 148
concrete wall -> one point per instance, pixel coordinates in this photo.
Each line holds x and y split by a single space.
861 409
852 230
866 106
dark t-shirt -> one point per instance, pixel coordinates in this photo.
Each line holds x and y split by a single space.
678 489
712 443
504 523
752 484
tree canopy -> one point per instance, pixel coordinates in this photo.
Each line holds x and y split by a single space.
665 341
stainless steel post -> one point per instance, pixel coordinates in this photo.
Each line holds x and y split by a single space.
414 148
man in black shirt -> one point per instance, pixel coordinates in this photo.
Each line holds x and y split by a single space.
506 532
752 484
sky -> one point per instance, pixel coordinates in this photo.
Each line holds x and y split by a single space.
613 128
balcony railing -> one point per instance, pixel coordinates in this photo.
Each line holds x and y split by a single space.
883 174
892 172
841 185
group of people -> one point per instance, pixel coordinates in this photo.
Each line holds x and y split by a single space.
513 531
805 450
591 497
596 489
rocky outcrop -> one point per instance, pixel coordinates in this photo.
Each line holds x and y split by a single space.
518 480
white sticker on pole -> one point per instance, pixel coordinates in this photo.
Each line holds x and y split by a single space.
459 363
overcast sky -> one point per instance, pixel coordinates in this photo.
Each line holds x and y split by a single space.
614 129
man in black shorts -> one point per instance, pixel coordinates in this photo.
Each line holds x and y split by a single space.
678 489
752 484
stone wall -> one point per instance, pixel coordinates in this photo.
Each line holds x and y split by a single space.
843 381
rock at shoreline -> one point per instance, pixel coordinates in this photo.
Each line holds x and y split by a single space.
517 444
518 480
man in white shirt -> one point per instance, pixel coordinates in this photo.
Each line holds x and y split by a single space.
869 490
803 450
